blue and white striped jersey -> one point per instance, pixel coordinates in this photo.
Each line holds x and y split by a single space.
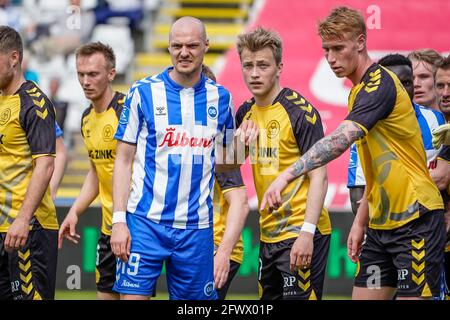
355 173
175 130
428 120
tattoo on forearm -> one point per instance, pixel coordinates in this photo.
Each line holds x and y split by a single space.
328 148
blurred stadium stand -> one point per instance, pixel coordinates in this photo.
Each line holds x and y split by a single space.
141 50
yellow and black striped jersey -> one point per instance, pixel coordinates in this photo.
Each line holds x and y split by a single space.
27 131
288 128
392 152
98 131
225 182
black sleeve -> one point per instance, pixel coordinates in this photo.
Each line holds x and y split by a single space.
83 116
305 120
308 129
375 101
229 179
38 120
118 105
242 111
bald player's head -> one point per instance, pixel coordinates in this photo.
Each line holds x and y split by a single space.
188 45
187 24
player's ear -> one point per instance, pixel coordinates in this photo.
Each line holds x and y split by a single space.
361 42
206 45
111 74
14 58
280 68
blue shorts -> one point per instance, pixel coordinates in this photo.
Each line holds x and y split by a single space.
188 254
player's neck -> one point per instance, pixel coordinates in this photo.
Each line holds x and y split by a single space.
103 102
267 100
14 85
185 80
434 106
364 64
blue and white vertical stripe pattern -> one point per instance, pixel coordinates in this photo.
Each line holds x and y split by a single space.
428 120
355 173
175 130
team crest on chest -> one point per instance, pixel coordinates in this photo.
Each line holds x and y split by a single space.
273 129
212 112
5 115
107 133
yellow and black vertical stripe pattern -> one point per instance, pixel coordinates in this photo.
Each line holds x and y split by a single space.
304 282
26 276
418 266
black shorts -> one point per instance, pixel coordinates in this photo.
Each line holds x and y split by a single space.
409 258
222 292
30 273
277 281
105 270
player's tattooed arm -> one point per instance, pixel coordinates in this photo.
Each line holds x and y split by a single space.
322 152
327 149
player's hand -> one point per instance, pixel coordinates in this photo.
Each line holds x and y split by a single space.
17 235
441 136
354 241
67 229
272 196
247 132
121 241
221 268
302 251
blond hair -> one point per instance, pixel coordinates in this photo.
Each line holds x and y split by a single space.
342 20
259 39
430 56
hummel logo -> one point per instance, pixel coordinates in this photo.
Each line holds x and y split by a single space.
161 111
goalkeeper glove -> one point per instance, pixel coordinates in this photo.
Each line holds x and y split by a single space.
441 135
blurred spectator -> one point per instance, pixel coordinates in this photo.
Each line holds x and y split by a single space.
130 9
67 32
60 105
9 15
